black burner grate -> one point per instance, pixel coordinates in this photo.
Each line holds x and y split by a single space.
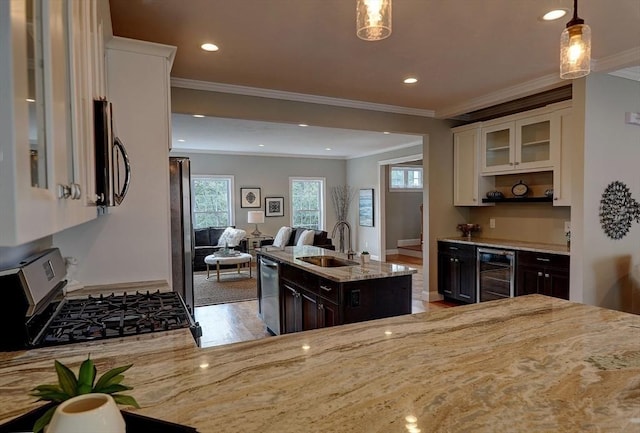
109 316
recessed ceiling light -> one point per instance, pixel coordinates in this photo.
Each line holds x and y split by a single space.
554 14
260 145
410 80
30 100
209 47
180 140
304 125
386 132
327 148
198 115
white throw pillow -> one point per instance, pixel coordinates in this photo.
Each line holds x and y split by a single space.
282 238
237 235
306 238
231 237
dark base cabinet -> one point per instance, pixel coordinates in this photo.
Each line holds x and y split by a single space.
457 271
545 274
309 301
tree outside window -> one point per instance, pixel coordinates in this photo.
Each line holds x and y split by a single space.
307 202
212 201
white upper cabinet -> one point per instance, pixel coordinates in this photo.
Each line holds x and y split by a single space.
518 146
46 165
469 186
533 141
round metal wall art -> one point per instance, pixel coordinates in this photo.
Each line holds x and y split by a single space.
618 210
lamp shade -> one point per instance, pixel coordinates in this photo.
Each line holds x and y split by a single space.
373 19
255 217
575 48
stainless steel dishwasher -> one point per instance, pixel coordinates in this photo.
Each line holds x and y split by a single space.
495 274
270 294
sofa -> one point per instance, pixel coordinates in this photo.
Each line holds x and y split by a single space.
320 238
206 243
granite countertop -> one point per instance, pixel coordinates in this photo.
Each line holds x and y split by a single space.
515 245
526 364
372 270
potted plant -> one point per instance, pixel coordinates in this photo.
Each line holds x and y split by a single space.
364 256
70 386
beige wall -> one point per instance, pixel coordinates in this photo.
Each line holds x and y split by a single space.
602 268
271 175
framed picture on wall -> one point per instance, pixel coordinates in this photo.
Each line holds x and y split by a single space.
250 197
365 207
274 206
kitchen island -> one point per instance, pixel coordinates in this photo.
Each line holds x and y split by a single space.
526 364
305 287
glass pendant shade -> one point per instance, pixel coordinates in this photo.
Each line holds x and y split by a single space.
575 52
575 48
373 21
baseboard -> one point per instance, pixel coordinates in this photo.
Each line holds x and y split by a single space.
405 242
392 252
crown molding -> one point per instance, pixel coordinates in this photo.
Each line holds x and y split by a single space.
620 60
297 97
143 47
527 88
386 150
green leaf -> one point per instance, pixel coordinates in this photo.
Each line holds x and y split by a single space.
87 374
106 378
47 388
111 389
52 396
66 379
43 420
126 400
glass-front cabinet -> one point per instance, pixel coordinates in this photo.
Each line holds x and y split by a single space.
517 146
47 88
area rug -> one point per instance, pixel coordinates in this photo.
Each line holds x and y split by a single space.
231 288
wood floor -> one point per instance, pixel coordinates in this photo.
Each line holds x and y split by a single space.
239 321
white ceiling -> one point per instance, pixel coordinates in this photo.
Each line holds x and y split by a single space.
217 135
467 54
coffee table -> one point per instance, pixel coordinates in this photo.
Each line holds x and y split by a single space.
239 259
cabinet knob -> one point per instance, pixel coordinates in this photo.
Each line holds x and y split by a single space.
555 198
517 163
451 259
546 275
539 274
511 163
320 307
76 191
64 191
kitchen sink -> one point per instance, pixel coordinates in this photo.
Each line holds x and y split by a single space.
328 261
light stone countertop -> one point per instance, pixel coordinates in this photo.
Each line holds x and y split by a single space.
372 270
515 245
527 364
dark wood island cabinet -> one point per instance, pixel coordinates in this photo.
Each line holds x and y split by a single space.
313 297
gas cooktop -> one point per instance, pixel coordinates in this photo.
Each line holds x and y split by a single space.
98 317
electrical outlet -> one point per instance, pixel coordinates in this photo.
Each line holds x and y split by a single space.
492 223
567 226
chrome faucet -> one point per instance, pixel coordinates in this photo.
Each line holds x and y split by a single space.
350 253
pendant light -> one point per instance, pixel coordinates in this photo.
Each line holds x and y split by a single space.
373 20
575 48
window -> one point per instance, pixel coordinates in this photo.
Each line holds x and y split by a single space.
405 177
212 201
307 202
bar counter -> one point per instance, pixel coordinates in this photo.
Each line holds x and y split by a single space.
526 364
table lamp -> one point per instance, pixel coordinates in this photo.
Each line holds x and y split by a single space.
255 217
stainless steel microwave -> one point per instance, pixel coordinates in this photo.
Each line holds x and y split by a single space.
113 170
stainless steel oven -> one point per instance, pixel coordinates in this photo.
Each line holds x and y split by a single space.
495 274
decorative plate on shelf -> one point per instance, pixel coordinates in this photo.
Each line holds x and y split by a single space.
520 189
